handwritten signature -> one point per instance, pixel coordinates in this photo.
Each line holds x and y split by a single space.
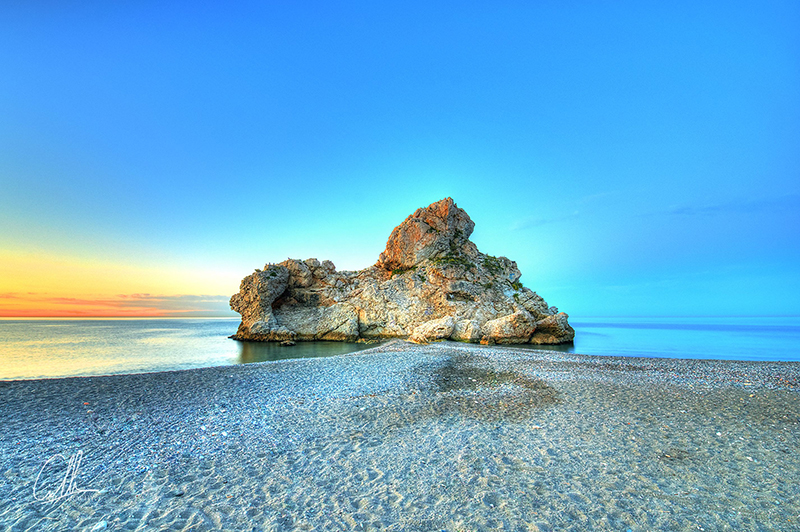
67 487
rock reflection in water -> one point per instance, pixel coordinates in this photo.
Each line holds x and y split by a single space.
268 351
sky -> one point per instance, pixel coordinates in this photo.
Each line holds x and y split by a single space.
634 158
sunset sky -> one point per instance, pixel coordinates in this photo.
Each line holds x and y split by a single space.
634 158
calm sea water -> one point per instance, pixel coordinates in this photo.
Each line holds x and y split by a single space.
728 338
44 348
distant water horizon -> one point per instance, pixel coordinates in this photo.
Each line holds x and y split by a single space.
34 348
756 338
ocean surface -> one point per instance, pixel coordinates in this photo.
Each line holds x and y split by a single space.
715 338
49 348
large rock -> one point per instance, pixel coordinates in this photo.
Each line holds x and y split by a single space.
339 322
466 331
550 329
257 292
429 331
435 231
430 283
515 328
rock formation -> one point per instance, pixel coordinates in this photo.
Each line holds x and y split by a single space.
430 283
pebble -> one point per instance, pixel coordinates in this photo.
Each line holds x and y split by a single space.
280 428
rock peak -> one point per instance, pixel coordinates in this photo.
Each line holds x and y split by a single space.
430 283
432 232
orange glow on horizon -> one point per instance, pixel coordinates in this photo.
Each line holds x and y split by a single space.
75 313
43 285
128 306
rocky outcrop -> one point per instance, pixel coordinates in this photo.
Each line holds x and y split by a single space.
430 283
437 230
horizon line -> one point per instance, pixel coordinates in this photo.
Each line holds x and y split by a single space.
158 316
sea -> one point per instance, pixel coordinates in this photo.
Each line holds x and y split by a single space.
56 347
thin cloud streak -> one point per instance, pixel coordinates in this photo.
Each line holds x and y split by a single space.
42 304
787 202
528 223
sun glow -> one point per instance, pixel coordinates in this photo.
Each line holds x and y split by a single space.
38 285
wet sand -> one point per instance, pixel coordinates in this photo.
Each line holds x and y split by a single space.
405 437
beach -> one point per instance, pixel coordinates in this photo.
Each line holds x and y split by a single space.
445 436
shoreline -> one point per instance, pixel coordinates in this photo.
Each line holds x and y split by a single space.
689 366
406 437
770 370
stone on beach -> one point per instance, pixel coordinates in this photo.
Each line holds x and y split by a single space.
430 283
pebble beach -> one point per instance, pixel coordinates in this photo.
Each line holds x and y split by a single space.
445 436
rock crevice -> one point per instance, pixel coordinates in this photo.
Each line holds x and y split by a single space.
430 283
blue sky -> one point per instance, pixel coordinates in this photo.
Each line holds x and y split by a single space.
634 158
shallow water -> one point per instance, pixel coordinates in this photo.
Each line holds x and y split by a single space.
46 348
